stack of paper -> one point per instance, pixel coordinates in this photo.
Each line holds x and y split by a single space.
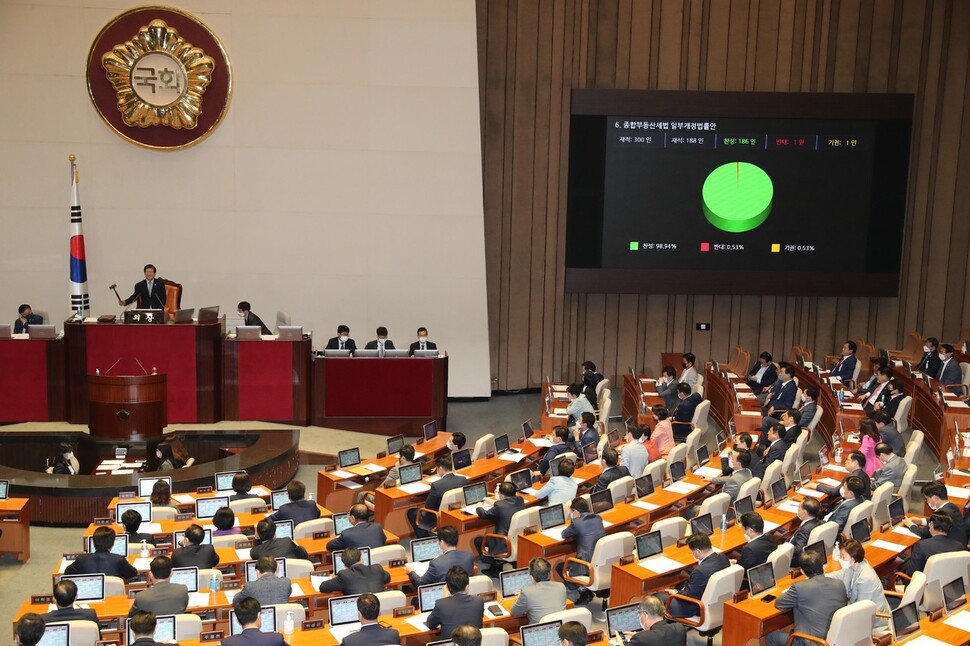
415 488
342 632
183 498
541 442
643 504
317 579
243 554
198 599
512 457
341 474
661 564
811 492
419 567
708 472
555 533
960 620
419 621
886 545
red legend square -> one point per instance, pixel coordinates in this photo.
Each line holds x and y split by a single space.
705 246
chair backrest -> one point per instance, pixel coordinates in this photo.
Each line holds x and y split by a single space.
671 530
852 625
815 419
799 395
283 318
902 414
308 527
772 473
483 445
800 445
914 446
173 297
450 497
780 560
861 511
946 567
826 532
390 599
228 540
721 588
163 513
656 470
582 615
700 415
608 552
114 586
603 384
494 637
965 373
188 626
83 632
520 520
749 489
246 505
299 612
621 488
914 591
677 454
906 486
480 583
693 441
387 553
298 568
605 405
602 394
858 369
881 497
788 468
205 574
716 506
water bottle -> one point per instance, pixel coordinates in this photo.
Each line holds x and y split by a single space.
144 549
288 625
723 523
213 584
835 551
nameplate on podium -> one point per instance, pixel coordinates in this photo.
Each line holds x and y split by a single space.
144 316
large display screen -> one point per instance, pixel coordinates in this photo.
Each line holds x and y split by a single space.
736 193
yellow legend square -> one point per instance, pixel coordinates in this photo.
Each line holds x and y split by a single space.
775 248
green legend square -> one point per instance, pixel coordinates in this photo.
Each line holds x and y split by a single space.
634 245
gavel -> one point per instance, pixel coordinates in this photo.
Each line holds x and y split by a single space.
113 287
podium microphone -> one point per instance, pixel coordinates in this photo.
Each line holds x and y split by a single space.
112 366
141 366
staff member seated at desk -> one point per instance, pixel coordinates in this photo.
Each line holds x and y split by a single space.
25 319
813 601
143 628
708 562
844 368
167 461
930 362
362 531
762 373
250 617
422 343
851 492
949 374
684 412
342 341
65 593
667 387
63 460
501 511
241 485
149 293
587 528
381 342
457 608
855 464
866 389
612 471
740 473
759 546
745 441
299 510
892 470
371 633
269 545
861 582
131 519
357 578
446 482
889 433
585 432
163 597
879 397
808 510
543 597
404 458
249 318
938 542
193 552
560 445
561 488
268 589
657 631
102 561
781 395
456 442
935 497
450 557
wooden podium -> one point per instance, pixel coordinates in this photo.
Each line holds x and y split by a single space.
127 407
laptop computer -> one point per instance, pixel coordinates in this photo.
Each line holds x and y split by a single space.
423 354
601 501
613 437
56 635
589 453
210 313
278 498
290 332
527 431
474 493
119 547
644 486
187 576
341 522
804 474
143 507
429 430
395 444
743 505
703 455
165 632
702 525
90 587
933 596
552 516
897 511
5 331
207 507
678 470
4 489
514 580
461 459
267 620
145 485
184 315
331 353
343 610
42 332
338 562
428 596
905 620
521 479
425 549
544 634
649 544
954 594
860 531
206 536
252 574
502 445
819 548
224 480
624 619
409 473
248 333
348 457
779 490
761 578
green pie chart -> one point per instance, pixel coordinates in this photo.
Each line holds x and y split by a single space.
737 197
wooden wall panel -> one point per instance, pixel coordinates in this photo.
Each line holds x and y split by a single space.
532 52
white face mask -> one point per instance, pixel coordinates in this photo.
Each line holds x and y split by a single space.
842 491
68 456
344 337
845 563
422 339
927 348
942 356
241 313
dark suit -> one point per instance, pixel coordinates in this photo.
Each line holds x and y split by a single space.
363 534
146 641
154 300
585 437
587 530
696 584
202 556
841 513
70 614
958 530
372 635
252 319
551 453
358 579
590 381
267 590
501 512
893 404
859 473
372 345
438 567
949 373
800 538
845 368
669 393
756 552
776 451
791 435
456 610
429 345
334 344
254 637
298 511
102 563
767 379
927 547
782 397
929 364
163 598
19 327
611 474
438 489
891 436
882 397
278 548
662 633
683 415
813 601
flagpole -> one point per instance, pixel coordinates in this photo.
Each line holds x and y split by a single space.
80 300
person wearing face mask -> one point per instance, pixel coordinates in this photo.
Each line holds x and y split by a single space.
949 373
26 318
251 319
861 582
896 394
663 430
929 364
667 387
657 631
342 341
808 511
587 528
708 562
740 473
879 397
762 374
937 541
866 389
759 546
422 343
191 551
381 342
844 368
64 460
935 496
851 492
689 373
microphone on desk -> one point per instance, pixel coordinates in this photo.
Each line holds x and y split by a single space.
112 366
141 366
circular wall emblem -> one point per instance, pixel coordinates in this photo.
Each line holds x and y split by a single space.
159 78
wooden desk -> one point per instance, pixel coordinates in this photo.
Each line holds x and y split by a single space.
266 380
189 498
553 415
15 523
636 406
33 386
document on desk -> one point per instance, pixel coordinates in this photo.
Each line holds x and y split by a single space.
852 406
340 473
419 621
886 545
731 375
790 506
742 387
643 504
708 472
374 468
541 442
340 633
243 554
295 589
418 567
142 564
349 484
555 533
902 529
231 594
317 579
954 403
183 498
122 472
259 490
415 487
661 564
470 509
751 413
530 490
830 482
646 380
431 479
512 457
770 526
960 620
810 492
836 467
747 395
924 640
198 599
558 412
957 492
682 487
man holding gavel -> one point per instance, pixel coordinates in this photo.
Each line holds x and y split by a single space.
150 293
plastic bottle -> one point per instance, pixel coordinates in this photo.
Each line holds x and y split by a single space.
835 552
213 584
723 523
838 454
288 624
144 549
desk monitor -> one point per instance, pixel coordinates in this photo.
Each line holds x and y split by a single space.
649 544
341 522
279 498
624 619
348 457
501 444
804 474
601 501
677 470
4 489
860 531
627 423
90 587
252 574
343 610
395 444
284 529
164 630
703 455
145 485
721 441
420 354
224 480
521 479
409 473
56 634
210 313
954 594
338 561
779 490
554 465
819 548
144 508
527 431
544 634
474 493
187 576
430 430
726 464
553 516
290 332
336 354
823 456
248 333
644 485
119 547
206 538
905 620
267 622
428 595
461 459
41 332
933 596
761 578
613 437
514 580
702 525
589 453
207 507
5 331
897 511
743 506
398 353
425 549
364 353
908 367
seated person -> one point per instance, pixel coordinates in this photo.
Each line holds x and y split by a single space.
740 473
269 545
879 397
935 497
633 454
889 433
861 582
29 630
25 319
663 430
342 341
161 495
131 519
667 387
422 343
708 562
250 617
808 511
762 373
759 545
299 510
357 578
684 412
241 485
268 589
561 488
949 374
143 626
791 420
542 597
591 379
896 395
586 528
65 593
930 362
560 445
381 342
855 464
776 446
689 373
371 632
892 470
507 503
457 608
844 368
163 597
612 470
851 491
578 404
866 389
585 432
249 318
813 601
657 631
166 457
446 482
781 395
405 457
466 636
363 531
450 557
653 452
456 442
745 441
938 542
63 460
192 552
102 561
224 521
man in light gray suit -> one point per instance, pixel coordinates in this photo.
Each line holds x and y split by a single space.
268 589
163 597
812 601
543 596
893 467
740 463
